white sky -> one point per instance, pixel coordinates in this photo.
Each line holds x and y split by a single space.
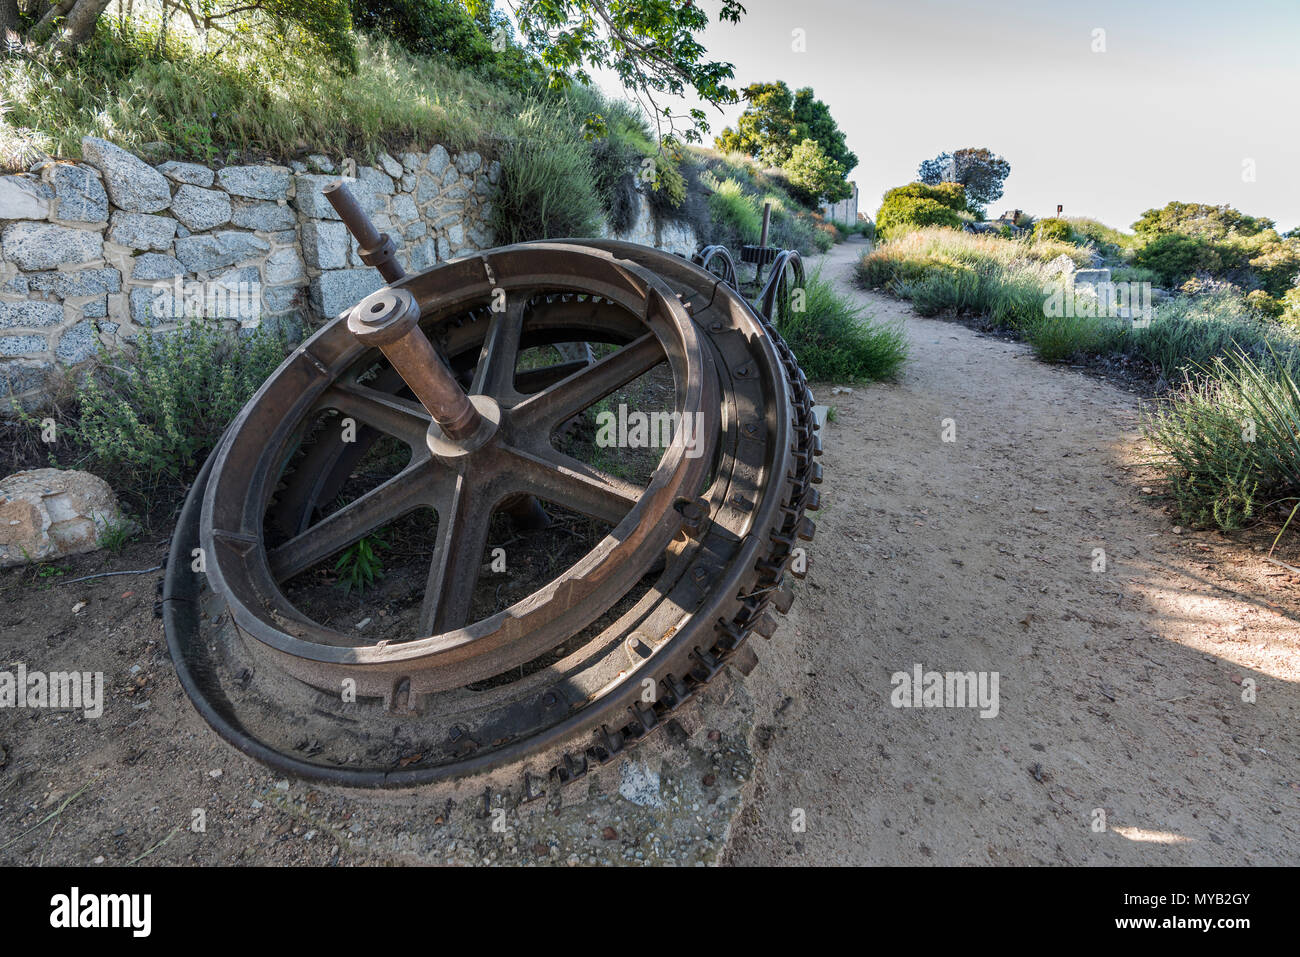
1185 93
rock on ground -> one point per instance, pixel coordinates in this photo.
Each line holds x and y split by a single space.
50 513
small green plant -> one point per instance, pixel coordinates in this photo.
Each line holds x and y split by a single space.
151 417
1061 338
116 534
360 566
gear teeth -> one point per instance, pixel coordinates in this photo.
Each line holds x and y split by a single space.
806 529
815 476
765 627
817 444
813 500
783 598
744 660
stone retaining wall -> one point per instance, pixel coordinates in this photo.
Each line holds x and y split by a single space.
102 250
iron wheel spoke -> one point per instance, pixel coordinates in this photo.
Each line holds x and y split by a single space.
495 375
404 419
572 483
463 522
583 389
535 380
412 487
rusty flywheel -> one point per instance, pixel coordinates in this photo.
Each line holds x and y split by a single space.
463 387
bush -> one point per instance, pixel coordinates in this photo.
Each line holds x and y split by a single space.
1174 257
150 417
1228 442
548 187
1053 228
834 342
1110 242
1062 338
917 205
737 212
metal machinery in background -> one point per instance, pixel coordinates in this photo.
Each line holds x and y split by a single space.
694 563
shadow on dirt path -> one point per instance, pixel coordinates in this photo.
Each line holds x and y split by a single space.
1119 690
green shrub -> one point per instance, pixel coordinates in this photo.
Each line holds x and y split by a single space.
1053 228
150 417
1191 331
1062 338
1227 442
1110 242
1133 274
835 342
548 188
909 213
738 212
916 205
1174 257
1264 304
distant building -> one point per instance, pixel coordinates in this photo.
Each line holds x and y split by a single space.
845 211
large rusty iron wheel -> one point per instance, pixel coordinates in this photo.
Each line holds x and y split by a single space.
693 562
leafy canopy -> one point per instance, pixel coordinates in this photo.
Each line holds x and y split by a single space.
650 45
777 122
978 169
1200 219
814 176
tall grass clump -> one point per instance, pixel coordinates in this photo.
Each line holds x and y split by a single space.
947 271
1228 443
836 342
1189 332
548 185
736 212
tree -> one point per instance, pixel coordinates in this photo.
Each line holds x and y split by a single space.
767 128
979 170
777 121
1200 219
815 121
816 177
651 46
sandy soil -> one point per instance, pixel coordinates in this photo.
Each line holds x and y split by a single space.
1119 690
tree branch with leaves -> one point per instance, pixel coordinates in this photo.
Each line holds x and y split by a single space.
651 45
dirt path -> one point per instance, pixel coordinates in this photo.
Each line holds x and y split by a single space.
1120 690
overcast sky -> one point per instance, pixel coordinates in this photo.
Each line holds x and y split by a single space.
1183 96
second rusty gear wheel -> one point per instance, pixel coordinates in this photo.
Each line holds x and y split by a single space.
693 562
